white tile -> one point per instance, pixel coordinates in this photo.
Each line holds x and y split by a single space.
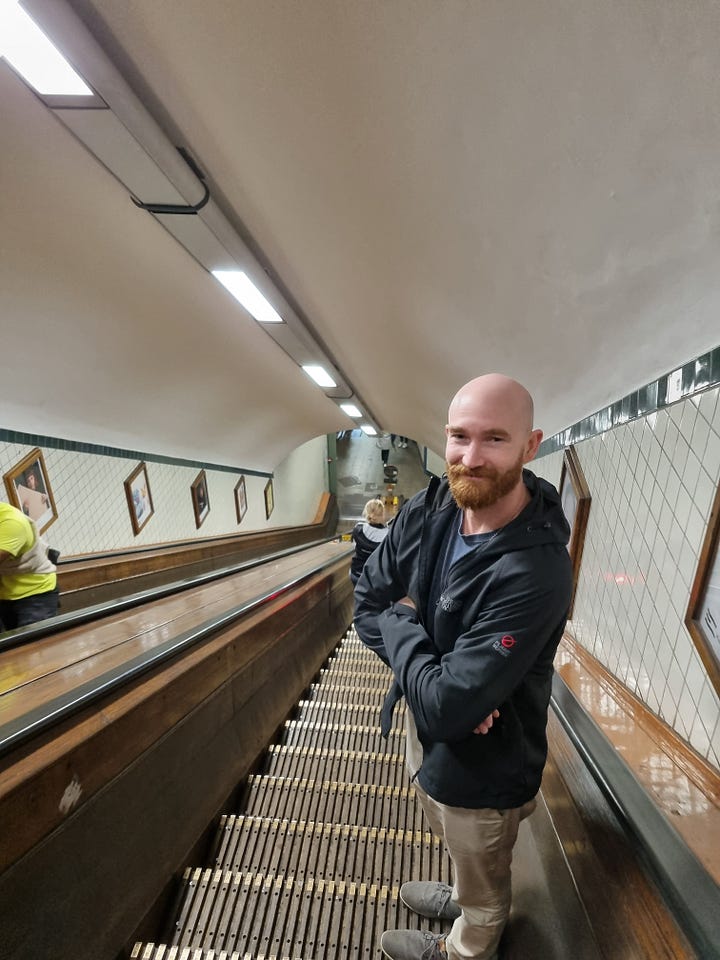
689 416
683 504
657 422
648 439
672 487
699 438
653 459
689 470
679 595
676 413
663 652
705 493
656 501
699 738
662 473
653 697
687 562
708 705
640 472
680 456
668 706
632 453
680 723
711 458
695 528
635 499
695 674
682 650
707 405
714 752
670 438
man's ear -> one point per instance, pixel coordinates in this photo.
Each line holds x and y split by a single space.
534 441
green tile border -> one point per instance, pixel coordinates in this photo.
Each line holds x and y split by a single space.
55 443
685 381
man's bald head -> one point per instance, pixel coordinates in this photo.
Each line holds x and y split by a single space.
489 437
495 391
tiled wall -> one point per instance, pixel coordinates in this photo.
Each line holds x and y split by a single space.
93 514
652 482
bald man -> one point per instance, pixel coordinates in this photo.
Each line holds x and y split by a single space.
466 599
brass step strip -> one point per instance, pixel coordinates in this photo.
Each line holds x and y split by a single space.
311 864
330 850
271 913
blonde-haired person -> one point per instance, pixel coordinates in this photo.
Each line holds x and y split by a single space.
367 535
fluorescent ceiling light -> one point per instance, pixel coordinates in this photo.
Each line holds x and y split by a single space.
320 375
368 429
245 291
25 46
350 409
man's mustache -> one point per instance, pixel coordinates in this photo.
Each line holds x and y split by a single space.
459 471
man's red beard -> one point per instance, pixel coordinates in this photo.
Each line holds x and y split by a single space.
471 495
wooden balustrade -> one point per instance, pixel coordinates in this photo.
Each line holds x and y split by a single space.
88 579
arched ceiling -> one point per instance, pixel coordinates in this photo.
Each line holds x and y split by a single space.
441 188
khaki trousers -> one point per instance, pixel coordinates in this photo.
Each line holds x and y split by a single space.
479 844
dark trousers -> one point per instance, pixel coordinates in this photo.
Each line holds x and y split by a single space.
385 454
27 610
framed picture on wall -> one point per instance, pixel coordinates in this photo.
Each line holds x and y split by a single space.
28 489
200 498
139 498
240 499
575 498
269 498
703 613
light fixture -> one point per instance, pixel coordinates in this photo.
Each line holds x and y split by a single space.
368 429
319 374
245 291
350 409
165 180
24 45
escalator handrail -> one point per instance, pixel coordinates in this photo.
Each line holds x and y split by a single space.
169 546
683 880
45 628
22 728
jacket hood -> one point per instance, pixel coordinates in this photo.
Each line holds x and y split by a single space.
541 522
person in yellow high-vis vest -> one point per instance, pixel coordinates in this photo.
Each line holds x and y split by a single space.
28 582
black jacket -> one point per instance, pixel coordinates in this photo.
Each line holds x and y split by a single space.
490 642
367 537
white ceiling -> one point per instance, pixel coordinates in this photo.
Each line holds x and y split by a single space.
443 187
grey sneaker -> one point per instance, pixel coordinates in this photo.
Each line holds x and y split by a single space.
413 945
431 900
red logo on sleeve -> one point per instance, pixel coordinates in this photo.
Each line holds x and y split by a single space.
504 645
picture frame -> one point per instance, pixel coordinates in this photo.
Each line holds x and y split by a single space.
269 496
139 497
703 613
575 499
200 498
28 489
240 499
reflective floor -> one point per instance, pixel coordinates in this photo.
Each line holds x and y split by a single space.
681 783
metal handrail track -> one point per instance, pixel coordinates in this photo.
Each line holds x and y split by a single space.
23 728
46 628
